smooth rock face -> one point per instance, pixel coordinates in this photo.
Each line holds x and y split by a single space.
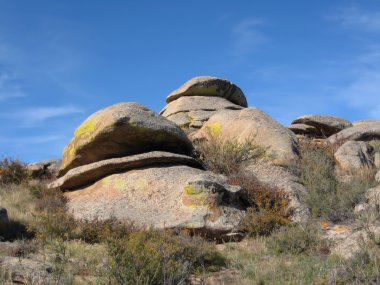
120 130
354 157
363 132
86 174
210 86
162 197
279 178
305 130
326 125
3 215
46 168
252 123
191 112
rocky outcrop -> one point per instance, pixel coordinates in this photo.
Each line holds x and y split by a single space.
325 125
44 169
197 100
121 130
304 130
280 178
363 122
210 86
190 113
362 132
120 171
354 157
255 125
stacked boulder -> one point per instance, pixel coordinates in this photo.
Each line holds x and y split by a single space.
318 126
44 169
128 163
191 105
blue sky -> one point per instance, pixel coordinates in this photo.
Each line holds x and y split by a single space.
60 61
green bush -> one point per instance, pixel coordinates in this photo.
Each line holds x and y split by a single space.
327 197
12 171
226 156
295 239
159 257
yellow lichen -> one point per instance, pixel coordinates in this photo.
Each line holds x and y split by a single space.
85 129
215 129
140 184
195 197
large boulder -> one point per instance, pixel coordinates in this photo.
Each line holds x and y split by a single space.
162 197
253 124
44 169
210 86
280 178
90 173
191 112
121 130
363 132
354 157
363 122
304 130
326 125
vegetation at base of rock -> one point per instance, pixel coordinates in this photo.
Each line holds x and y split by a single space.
12 171
328 198
159 257
227 155
267 205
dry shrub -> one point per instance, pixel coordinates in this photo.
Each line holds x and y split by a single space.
12 171
159 257
227 155
268 205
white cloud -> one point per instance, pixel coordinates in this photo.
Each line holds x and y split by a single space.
35 115
353 17
246 36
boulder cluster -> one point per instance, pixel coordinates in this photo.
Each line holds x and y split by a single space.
127 162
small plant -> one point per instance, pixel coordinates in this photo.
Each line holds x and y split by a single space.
159 257
12 171
227 155
295 239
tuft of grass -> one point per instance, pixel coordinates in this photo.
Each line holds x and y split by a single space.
226 156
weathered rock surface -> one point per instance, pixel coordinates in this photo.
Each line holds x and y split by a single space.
252 123
305 130
363 132
354 157
120 130
373 197
191 112
162 197
378 176
44 169
326 125
210 86
3 215
279 178
362 122
25 271
89 173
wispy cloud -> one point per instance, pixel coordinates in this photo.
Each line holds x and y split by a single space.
356 18
31 139
31 116
246 36
9 88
